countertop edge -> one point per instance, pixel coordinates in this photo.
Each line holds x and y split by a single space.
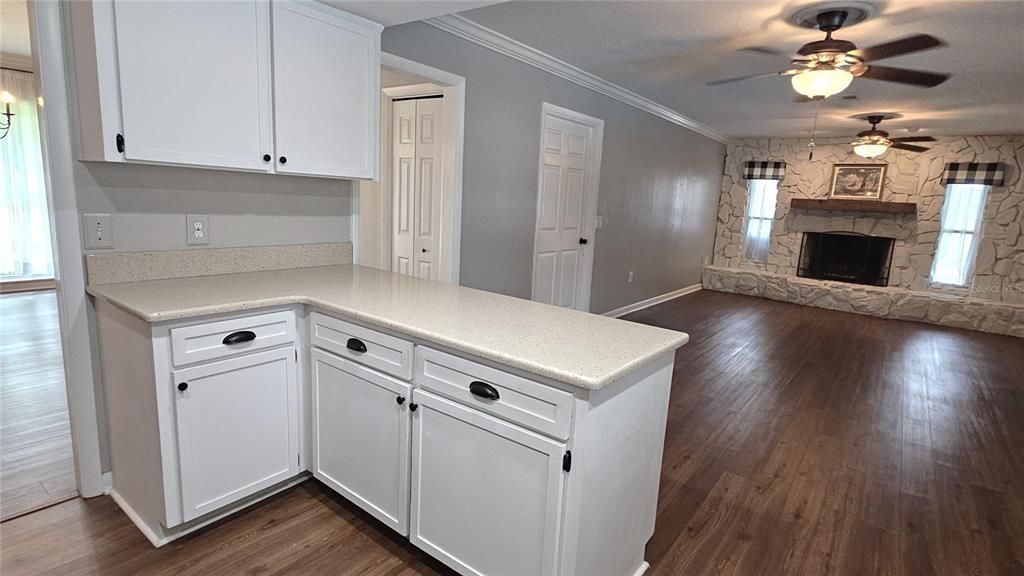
568 378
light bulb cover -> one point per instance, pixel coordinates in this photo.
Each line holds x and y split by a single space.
6 97
870 150
821 82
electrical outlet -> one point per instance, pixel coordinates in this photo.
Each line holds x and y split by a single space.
99 231
599 222
197 228
630 279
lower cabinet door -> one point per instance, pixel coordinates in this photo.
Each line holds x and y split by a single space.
486 495
361 436
238 429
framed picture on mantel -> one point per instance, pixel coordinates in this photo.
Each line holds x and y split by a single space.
857 181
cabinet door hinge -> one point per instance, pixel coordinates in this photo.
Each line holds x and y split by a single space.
567 460
296 354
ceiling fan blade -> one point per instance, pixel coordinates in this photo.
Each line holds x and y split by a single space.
914 139
908 45
751 77
905 76
762 50
908 147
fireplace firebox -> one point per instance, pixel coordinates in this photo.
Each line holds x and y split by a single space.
846 257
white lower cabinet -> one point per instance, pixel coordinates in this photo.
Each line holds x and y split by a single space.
238 430
361 436
486 494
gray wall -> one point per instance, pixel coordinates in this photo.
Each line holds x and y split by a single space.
659 181
149 205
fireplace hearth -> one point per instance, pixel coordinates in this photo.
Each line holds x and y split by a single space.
846 257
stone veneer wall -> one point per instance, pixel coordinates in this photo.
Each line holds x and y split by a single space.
999 272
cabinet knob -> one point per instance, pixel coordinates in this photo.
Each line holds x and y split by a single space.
400 400
267 158
413 407
182 386
583 241
282 160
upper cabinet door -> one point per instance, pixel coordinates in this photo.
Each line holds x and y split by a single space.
195 82
326 91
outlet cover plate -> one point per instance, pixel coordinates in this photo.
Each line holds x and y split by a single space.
197 230
98 230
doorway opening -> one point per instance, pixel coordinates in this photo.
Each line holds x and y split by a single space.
37 466
567 187
409 222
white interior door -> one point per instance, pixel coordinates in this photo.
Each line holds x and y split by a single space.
417 143
195 82
566 208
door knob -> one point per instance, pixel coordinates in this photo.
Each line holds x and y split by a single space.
583 240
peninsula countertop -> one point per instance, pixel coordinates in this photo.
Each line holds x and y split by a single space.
572 347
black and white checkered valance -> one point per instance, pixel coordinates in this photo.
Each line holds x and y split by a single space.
974 173
762 170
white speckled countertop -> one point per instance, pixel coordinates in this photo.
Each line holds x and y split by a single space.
568 346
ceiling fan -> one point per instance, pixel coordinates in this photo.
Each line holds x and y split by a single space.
827 67
874 142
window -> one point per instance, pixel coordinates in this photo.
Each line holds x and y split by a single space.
958 233
761 196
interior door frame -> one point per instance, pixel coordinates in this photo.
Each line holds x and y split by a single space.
77 320
591 187
453 88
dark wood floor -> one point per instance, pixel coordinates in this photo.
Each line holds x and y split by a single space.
800 441
36 463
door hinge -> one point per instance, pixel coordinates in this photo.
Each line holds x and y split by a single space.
296 354
567 460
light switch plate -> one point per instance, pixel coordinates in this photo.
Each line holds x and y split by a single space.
98 230
197 230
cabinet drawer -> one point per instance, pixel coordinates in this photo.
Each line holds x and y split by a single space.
368 347
200 342
530 404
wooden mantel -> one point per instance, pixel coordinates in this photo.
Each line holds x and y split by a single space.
854 205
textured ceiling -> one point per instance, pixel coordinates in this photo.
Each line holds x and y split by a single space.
668 51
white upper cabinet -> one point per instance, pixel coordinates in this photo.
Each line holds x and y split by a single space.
287 86
195 82
326 91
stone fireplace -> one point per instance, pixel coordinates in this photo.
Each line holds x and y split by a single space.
846 257
898 235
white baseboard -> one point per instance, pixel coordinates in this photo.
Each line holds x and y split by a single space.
155 539
642 569
652 301
107 482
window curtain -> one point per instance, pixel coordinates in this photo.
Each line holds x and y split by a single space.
25 220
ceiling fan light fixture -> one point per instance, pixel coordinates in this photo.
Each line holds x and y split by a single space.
872 150
821 82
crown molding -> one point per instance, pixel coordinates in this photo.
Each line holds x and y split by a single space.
469 30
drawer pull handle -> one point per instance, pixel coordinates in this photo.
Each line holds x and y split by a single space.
239 337
355 345
483 390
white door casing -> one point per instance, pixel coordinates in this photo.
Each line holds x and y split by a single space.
416 177
567 188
